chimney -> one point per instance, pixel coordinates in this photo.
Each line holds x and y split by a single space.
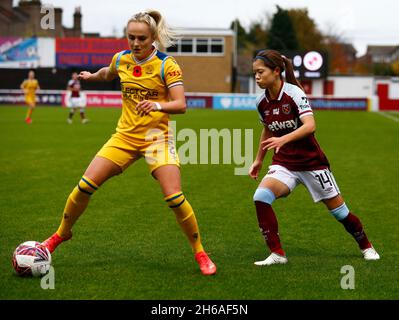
77 22
59 29
32 8
6 4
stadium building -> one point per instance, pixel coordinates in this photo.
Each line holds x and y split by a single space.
205 55
24 21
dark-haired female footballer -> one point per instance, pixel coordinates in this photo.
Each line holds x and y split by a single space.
289 128
152 88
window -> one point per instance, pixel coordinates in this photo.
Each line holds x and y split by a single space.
217 45
202 45
198 46
186 45
173 48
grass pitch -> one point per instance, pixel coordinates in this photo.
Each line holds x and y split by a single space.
127 244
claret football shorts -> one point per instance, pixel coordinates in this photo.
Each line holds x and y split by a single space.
320 183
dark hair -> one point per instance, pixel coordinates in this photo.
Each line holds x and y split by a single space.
274 59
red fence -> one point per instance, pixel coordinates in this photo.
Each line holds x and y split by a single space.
385 103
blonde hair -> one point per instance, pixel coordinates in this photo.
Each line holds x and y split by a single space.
161 32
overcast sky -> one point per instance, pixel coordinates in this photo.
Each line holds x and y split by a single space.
360 22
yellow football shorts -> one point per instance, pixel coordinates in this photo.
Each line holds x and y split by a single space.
123 151
30 100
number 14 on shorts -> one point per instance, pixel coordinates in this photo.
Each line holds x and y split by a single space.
324 179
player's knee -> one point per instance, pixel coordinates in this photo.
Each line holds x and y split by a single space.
340 212
87 186
264 195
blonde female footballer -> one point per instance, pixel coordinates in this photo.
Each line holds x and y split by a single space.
152 88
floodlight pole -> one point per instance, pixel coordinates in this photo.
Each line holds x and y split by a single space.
235 52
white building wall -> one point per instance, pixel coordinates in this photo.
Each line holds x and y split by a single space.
317 88
46 52
393 92
353 87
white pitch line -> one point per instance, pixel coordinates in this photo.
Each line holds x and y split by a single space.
387 115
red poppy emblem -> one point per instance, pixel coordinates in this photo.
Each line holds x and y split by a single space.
137 71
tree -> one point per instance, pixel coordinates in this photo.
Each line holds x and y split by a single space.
382 69
281 35
338 62
395 67
241 34
363 66
307 34
341 55
257 35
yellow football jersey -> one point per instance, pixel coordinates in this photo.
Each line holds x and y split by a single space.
148 79
31 86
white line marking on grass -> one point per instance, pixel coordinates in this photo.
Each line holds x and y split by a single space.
387 115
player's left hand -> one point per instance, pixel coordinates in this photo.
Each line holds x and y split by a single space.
145 107
273 143
84 75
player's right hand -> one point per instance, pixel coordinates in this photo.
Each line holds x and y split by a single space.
84 75
255 169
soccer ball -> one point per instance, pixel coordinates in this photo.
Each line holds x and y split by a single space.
31 258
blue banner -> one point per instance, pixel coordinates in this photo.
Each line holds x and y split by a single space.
234 102
13 97
339 103
18 52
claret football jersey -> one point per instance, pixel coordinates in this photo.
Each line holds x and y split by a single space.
75 86
283 115
148 79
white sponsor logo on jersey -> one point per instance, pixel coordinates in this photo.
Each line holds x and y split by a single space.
280 125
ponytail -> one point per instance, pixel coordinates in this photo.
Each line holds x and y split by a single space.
161 32
289 72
